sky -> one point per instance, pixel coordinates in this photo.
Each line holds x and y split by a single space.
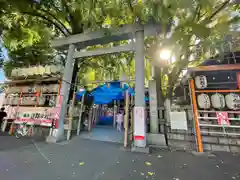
2 77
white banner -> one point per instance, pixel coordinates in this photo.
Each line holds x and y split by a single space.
43 116
139 123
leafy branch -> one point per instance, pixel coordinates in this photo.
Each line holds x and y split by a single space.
46 19
56 19
216 12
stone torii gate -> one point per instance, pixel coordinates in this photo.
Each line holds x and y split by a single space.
81 41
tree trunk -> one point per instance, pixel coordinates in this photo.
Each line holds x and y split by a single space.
170 93
157 77
75 73
167 110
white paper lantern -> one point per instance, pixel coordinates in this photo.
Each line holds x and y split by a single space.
53 69
35 70
15 100
55 88
41 100
47 70
44 89
203 101
41 70
14 73
34 89
20 72
59 68
25 89
201 82
25 72
232 101
218 101
30 71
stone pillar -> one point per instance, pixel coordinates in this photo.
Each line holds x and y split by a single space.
64 94
154 124
157 77
139 123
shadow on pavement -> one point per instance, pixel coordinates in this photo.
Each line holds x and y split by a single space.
94 160
8 142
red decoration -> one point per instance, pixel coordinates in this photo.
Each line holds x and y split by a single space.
139 137
238 80
37 94
222 118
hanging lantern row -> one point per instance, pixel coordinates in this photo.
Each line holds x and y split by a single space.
37 70
201 82
219 101
33 89
29 100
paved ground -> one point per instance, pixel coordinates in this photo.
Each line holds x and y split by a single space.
94 160
104 134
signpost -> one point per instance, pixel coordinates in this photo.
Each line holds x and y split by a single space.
222 118
139 123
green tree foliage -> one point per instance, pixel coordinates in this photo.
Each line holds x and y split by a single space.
197 25
61 16
75 16
187 20
27 42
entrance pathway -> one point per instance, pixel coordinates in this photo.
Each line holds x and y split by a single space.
94 160
101 133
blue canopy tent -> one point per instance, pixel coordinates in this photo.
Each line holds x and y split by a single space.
79 95
107 93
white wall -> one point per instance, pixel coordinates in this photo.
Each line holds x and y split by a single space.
2 97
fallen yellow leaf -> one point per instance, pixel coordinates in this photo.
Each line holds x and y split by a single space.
148 163
150 173
81 163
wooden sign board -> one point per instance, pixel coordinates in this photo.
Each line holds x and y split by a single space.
178 120
43 116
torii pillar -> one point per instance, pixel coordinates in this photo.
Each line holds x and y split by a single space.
58 134
125 32
140 136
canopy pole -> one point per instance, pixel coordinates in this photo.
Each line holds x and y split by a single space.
90 116
98 114
126 119
80 115
94 119
131 124
114 113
